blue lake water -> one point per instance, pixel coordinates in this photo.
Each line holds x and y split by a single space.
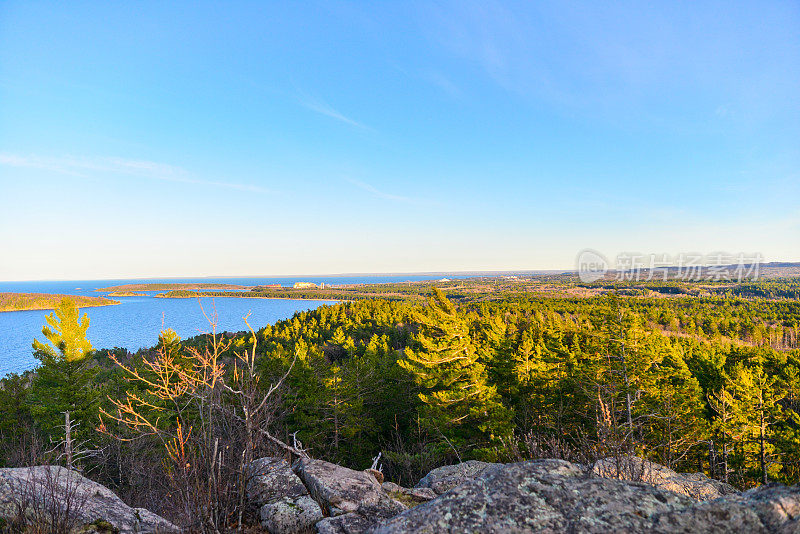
137 321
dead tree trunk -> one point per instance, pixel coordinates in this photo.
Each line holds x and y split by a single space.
68 439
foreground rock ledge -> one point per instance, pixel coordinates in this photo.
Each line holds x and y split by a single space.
624 494
92 503
613 495
556 496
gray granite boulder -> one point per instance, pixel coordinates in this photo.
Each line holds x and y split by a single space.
767 509
634 469
448 477
337 489
351 523
291 515
270 480
353 500
550 496
50 491
542 496
368 516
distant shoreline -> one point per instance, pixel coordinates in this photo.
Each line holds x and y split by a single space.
171 287
14 302
201 296
235 295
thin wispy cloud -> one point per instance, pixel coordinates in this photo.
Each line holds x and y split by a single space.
630 60
387 196
445 84
152 170
28 162
323 108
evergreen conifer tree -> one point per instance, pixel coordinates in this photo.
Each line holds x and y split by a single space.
756 412
64 380
457 401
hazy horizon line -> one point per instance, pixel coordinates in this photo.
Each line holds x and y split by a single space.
331 275
390 273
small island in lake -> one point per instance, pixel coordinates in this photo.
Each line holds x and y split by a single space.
126 294
46 301
171 287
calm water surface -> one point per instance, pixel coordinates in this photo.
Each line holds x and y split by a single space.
137 321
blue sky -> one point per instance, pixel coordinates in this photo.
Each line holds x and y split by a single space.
232 138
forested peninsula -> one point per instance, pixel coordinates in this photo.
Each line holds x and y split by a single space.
47 301
170 287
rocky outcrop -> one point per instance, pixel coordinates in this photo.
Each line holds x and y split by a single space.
551 496
408 496
448 477
284 504
546 496
727 514
48 492
270 480
361 521
351 523
353 500
338 489
290 515
612 495
767 509
634 469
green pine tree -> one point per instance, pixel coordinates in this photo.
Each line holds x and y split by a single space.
66 332
64 380
674 408
756 412
458 403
